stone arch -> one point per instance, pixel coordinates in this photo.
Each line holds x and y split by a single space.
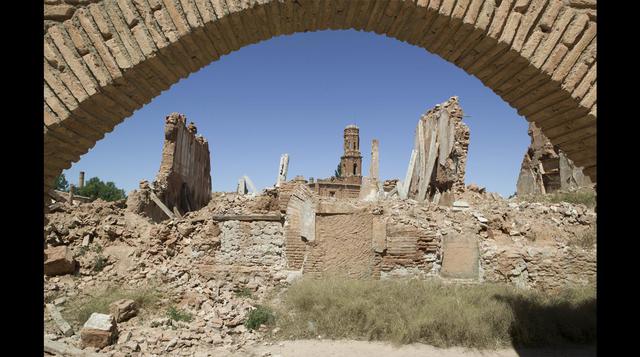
104 60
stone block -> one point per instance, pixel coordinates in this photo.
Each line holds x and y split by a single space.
63 325
58 12
460 257
123 309
99 331
59 261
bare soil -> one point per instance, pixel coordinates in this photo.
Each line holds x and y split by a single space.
332 348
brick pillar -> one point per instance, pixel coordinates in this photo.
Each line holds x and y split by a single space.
374 171
71 189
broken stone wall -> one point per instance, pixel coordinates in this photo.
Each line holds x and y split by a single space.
412 249
183 182
546 169
528 245
540 267
248 250
299 225
436 171
343 246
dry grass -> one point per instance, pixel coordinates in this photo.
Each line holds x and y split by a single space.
78 310
481 316
585 196
586 239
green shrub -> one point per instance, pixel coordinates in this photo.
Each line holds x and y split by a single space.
261 315
82 251
61 183
96 188
178 315
244 292
99 263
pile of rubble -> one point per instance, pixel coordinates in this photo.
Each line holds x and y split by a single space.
103 244
208 265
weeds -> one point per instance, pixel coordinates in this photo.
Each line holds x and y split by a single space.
79 309
82 251
99 263
244 293
178 315
586 239
585 196
480 316
261 315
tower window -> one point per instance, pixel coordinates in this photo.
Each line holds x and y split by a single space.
355 169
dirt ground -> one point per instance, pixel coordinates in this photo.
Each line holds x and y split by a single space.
331 348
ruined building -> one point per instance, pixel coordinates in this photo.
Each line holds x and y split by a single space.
438 160
183 183
546 169
350 180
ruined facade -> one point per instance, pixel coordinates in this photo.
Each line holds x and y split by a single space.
529 245
438 160
183 183
546 169
350 180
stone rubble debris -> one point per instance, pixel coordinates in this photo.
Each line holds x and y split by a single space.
123 309
63 325
201 263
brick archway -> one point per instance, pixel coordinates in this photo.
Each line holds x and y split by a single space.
107 59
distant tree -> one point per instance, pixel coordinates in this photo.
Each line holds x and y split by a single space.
95 188
338 171
61 183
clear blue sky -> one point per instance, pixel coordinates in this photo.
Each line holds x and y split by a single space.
295 94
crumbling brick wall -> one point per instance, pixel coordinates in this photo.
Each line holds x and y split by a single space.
337 187
184 178
299 225
343 246
546 169
410 250
441 145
